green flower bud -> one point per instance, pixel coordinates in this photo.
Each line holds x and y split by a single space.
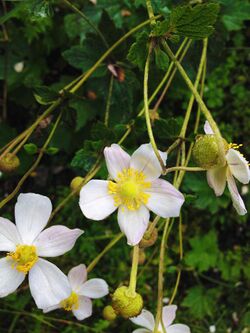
206 151
9 163
125 304
75 183
149 237
109 313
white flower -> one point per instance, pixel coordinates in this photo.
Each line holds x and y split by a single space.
212 328
134 189
26 242
147 321
79 301
236 166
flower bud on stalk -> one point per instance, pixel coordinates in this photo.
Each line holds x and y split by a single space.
149 238
9 163
109 313
125 304
206 151
142 256
75 183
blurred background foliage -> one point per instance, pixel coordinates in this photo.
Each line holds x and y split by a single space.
44 45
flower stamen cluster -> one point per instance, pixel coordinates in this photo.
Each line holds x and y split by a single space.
70 303
24 258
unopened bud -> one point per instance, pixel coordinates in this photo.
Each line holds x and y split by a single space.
206 151
9 163
75 184
126 304
149 237
109 313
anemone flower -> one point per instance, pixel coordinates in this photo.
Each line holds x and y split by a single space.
134 188
79 301
147 321
26 242
236 167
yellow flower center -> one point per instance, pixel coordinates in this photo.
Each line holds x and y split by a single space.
129 189
70 303
24 258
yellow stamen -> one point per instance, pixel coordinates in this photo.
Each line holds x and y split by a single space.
70 303
129 189
23 258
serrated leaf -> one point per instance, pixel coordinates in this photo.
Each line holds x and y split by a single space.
194 22
138 51
85 111
168 129
160 28
161 59
45 95
30 148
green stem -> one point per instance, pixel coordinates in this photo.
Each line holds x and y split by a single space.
133 273
27 174
150 12
104 251
78 11
146 111
203 107
191 169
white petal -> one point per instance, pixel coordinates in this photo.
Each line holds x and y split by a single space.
52 308
77 276
116 159
10 278
178 328
207 128
141 330
56 240
9 236
94 288
238 166
216 179
145 160
236 198
32 212
48 285
165 200
95 201
85 308
168 314
145 319
133 223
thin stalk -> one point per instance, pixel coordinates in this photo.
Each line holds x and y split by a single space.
133 273
104 251
106 119
150 12
191 169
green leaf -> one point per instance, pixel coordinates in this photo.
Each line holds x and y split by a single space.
42 9
168 129
30 148
204 252
161 59
161 28
138 51
194 22
52 150
201 301
45 95
234 14
85 111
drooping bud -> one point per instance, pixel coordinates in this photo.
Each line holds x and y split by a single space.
9 163
141 257
206 151
149 237
75 184
109 313
126 304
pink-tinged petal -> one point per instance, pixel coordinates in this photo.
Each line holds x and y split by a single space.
208 128
48 284
145 160
116 159
9 236
94 288
95 201
85 308
133 223
168 314
236 198
216 179
165 200
141 330
56 240
145 319
178 328
238 166
32 212
77 276
10 278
